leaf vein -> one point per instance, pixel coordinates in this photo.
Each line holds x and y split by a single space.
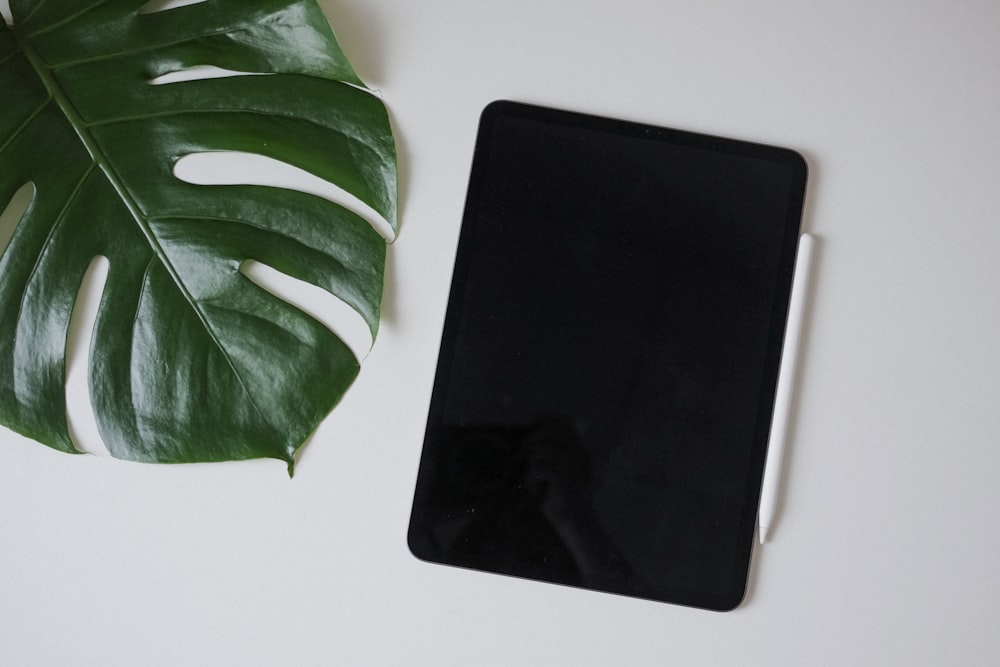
143 49
47 243
32 11
9 56
24 125
223 307
256 226
67 20
218 111
236 221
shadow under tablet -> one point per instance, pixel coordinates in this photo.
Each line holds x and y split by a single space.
609 359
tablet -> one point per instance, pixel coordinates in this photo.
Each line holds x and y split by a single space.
607 370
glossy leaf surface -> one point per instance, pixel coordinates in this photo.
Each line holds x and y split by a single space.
191 360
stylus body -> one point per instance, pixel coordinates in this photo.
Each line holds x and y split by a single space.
783 395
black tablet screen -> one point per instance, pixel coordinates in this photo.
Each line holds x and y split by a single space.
606 377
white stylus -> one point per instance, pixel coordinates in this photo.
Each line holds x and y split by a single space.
783 395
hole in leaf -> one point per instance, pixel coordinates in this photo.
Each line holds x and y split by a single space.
13 213
79 409
235 168
197 73
316 302
154 6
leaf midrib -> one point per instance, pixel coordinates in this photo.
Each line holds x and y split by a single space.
80 127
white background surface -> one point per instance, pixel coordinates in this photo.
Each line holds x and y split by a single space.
887 546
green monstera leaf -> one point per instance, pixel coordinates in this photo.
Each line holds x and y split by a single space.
191 360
